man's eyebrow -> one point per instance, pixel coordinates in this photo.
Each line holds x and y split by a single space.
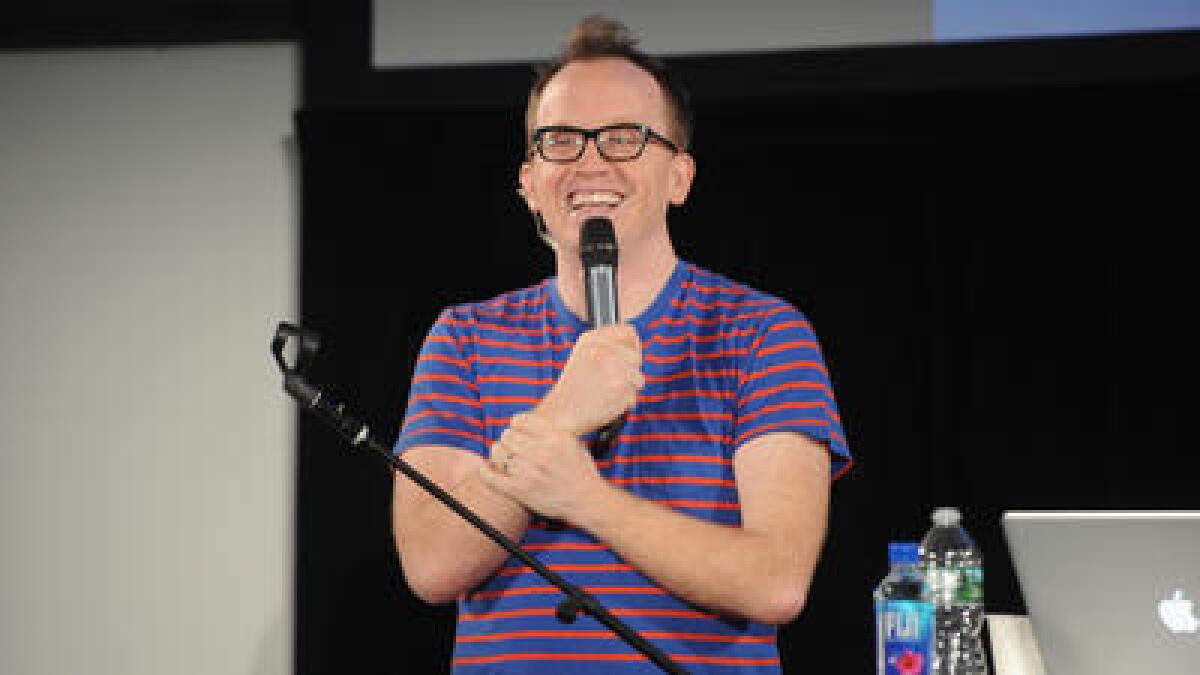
559 125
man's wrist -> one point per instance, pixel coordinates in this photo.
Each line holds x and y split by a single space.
556 416
599 501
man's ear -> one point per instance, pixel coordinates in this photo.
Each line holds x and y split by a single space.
524 187
683 172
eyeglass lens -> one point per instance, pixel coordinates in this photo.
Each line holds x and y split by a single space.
616 143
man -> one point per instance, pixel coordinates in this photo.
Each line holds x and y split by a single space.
702 525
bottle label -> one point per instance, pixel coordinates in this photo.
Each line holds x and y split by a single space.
943 583
956 584
970 590
904 635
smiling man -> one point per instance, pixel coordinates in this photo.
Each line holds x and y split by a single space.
702 525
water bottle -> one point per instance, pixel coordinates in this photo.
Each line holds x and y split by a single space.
953 568
903 615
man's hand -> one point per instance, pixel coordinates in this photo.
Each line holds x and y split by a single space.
545 468
599 382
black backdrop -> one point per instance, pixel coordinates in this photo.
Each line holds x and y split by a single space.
995 263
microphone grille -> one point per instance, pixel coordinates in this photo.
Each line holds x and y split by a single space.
598 242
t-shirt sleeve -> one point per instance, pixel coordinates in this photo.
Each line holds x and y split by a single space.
785 386
443 400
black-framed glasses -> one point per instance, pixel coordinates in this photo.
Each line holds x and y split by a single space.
615 142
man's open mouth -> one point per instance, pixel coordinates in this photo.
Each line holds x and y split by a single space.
594 198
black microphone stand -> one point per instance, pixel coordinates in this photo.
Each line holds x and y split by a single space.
313 399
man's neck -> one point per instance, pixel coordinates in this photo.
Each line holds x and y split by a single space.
642 272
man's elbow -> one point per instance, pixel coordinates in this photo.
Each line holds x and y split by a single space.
782 605
429 577
429 584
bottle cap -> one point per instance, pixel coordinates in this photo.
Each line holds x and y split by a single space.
904 553
946 516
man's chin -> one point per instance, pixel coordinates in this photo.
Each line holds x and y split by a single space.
566 234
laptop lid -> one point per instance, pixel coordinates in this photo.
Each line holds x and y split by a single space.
1110 593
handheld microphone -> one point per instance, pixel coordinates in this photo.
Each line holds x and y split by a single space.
598 250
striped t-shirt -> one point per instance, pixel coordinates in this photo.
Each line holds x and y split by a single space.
723 364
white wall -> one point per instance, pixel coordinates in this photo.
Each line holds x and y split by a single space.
433 32
147 246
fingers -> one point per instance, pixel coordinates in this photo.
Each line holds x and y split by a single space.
500 455
497 481
600 380
532 424
621 340
627 369
615 349
521 422
637 379
539 466
526 432
497 472
625 333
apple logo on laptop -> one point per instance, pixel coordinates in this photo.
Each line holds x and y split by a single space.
1176 614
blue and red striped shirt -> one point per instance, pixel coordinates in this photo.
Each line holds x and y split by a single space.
724 363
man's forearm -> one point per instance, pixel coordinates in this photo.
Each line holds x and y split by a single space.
441 553
759 571
725 569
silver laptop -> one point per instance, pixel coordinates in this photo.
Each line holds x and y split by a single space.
1110 593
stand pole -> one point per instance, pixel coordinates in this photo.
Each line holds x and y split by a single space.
358 434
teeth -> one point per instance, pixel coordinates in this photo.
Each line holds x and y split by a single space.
582 199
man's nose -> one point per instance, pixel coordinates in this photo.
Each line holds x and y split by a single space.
591 159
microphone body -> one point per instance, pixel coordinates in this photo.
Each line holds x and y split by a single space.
598 250
600 283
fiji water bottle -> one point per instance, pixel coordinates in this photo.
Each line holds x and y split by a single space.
903 615
953 567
